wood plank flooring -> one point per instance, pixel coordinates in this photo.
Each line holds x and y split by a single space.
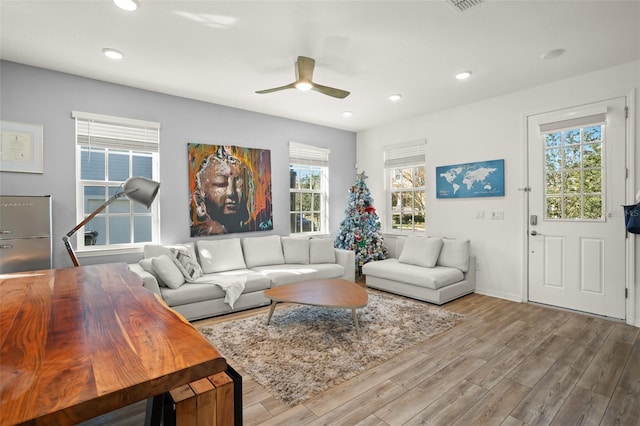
506 364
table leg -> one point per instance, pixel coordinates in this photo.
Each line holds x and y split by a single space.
273 308
355 321
154 410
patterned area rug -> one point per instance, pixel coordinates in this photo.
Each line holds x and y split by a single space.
306 349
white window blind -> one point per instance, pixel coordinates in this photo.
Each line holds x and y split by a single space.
97 130
407 154
308 155
572 123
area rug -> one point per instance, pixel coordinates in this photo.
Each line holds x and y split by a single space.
307 349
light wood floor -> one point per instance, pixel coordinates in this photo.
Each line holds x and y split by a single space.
506 364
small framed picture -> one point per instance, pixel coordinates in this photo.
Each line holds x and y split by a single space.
21 148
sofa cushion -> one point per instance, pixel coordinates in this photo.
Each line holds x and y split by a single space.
321 250
433 278
296 250
421 251
155 250
188 264
202 289
259 251
455 254
147 265
220 255
167 271
291 273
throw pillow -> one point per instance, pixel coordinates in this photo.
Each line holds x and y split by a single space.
147 265
261 251
321 250
167 271
296 250
220 255
155 250
188 265
421 251
455 254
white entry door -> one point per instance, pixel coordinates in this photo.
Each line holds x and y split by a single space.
576 229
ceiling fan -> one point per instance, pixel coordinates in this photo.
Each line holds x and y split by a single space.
304 81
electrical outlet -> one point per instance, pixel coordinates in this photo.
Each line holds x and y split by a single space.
497 215
479 214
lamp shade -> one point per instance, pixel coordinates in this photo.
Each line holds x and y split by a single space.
141 190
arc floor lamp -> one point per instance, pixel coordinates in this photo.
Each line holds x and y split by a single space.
139 189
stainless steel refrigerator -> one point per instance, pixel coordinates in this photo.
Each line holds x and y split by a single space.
25 233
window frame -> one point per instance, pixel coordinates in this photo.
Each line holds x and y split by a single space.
302 156
561 128
404 156
143 141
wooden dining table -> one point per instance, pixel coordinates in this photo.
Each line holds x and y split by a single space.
76 343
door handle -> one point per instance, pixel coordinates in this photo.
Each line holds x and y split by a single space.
534 233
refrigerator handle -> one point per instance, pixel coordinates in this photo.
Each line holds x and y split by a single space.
5 231
6 246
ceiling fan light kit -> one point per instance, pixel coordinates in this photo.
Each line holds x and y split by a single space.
304 81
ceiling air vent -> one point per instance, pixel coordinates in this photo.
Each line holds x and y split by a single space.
463 5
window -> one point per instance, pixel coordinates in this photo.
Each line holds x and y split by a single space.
308 188
574 168
404 166
110 150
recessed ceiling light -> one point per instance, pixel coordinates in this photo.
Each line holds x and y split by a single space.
395 97
126 4
551 54
347 114
463 75
112 53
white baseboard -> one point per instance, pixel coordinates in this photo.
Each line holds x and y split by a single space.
500 295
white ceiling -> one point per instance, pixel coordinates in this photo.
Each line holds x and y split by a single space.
223 51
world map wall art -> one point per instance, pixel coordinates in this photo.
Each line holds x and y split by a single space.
230 189
480 179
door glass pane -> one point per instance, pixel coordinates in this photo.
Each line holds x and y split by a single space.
574 173
554 207
572 207
592 181
593 207
592 155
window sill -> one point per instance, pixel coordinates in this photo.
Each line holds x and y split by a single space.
91 252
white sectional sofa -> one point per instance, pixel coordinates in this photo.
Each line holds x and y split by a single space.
200 280
436 270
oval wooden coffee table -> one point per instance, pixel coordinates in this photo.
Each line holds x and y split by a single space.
336 293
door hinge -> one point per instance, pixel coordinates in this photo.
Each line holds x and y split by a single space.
525 189
626 293
626 112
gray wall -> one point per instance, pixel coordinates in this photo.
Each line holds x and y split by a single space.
44 97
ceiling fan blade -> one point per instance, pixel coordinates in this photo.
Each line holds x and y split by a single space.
304 69
277 89
330 91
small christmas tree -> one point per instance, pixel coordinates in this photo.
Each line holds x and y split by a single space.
360 229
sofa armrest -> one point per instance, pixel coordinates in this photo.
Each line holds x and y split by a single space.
148 281
470 275
347 259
